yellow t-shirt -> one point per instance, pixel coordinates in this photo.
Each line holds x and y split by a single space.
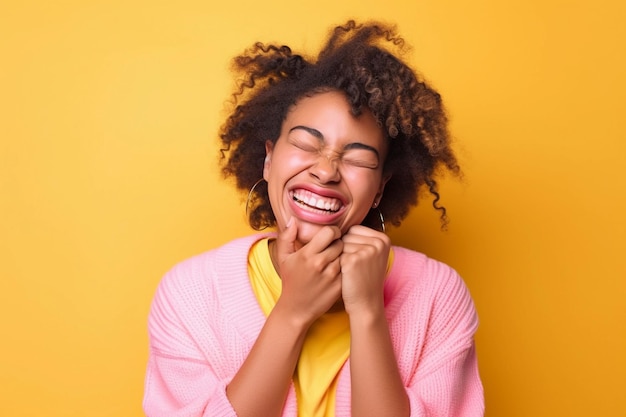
326 346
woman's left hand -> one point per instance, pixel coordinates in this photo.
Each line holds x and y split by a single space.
363 269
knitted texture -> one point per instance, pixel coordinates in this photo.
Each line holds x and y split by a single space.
205 319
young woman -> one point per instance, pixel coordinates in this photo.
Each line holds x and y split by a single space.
322 316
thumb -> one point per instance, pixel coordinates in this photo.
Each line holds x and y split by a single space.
286 240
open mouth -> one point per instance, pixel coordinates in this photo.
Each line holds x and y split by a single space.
315 202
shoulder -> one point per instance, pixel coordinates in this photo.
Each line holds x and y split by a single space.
416 270
429 307
204 275
198 296
231 256
420 283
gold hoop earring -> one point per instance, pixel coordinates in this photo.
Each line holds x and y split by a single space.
381 217
248 202
382 220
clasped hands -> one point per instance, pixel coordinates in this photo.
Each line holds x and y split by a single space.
331 267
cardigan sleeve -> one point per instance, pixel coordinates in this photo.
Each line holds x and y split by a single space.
180 381
453 390
446 381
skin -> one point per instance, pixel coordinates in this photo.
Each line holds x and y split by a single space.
324 149
325 258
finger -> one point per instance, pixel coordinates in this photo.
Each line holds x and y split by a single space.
366 236
368 244
363 240
323 239
318 262
333 268
362 230
286 240
358 230
351 247
357 239
333 251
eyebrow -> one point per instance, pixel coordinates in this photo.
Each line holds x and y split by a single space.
352 145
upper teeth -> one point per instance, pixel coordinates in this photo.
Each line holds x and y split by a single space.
317 201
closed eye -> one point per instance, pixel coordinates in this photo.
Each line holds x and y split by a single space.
360 154
360 158
307 144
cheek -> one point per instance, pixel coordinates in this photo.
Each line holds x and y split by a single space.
363 186
284 166
288 164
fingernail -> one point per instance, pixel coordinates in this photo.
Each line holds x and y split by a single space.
290 222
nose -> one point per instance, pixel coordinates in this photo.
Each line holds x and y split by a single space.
326 169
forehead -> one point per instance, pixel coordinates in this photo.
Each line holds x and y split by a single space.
331 114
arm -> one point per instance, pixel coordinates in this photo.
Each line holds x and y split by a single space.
446 381
450 387
310 286
439 378
262 383
192 352
377 388
180 381
451 390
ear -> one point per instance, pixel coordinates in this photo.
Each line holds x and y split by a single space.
381 188
269 148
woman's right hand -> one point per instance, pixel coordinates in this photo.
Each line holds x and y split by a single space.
311 275
311 281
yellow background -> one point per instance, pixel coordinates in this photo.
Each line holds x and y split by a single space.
108 174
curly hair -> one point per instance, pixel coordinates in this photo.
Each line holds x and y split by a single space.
356 61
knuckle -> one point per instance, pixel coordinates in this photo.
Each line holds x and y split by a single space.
317 264
335 269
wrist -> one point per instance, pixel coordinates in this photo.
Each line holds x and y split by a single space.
366 312
291 319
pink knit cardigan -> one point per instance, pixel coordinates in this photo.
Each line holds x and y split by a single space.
205 318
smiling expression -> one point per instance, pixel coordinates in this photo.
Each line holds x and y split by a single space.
326 168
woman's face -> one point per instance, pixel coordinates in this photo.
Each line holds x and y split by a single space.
326 168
